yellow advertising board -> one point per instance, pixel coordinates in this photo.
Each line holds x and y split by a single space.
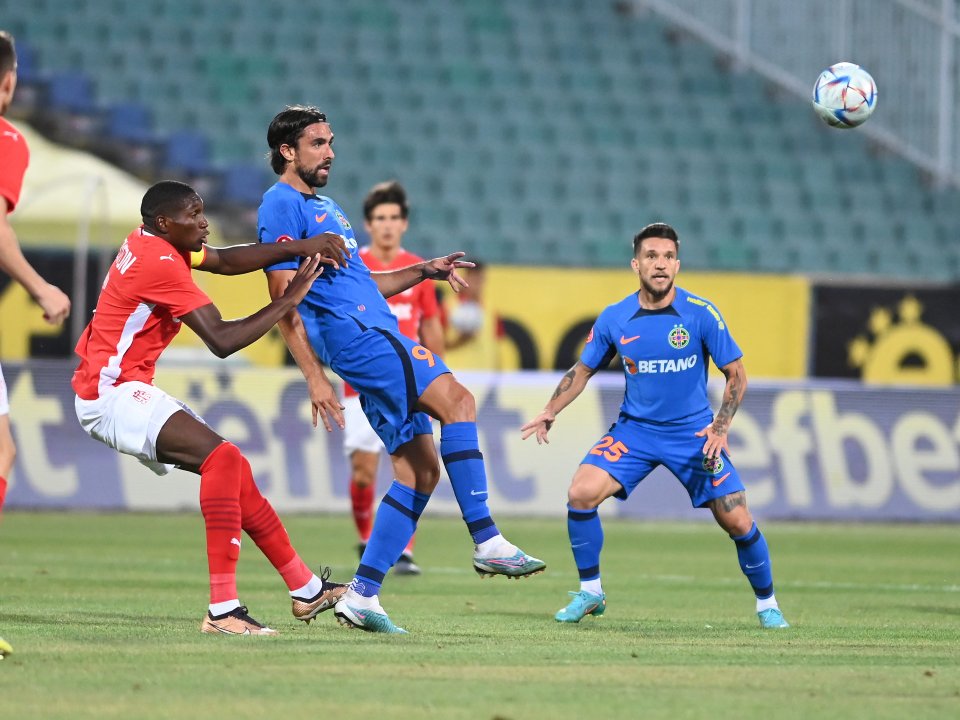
767 314
550 310
546 314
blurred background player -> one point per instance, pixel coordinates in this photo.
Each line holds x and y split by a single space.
345 320
148 295
474 329
14 157
386 213
665 337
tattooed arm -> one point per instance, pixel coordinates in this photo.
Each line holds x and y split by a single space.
570 387
716 432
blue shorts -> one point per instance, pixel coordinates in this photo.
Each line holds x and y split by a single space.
391 372
631 450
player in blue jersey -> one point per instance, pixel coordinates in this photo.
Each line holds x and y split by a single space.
346 322
665 337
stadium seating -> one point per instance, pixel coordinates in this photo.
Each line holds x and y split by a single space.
528 132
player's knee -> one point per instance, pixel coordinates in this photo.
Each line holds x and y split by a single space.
736 521
223 456
362 477
738 526
584 496
461 406
7 456
8 453
427 479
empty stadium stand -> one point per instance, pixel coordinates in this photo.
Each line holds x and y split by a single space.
525 132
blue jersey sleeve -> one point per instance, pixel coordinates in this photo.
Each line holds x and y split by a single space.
716 335
280 221
599 349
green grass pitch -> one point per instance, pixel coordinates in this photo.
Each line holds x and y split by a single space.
103 611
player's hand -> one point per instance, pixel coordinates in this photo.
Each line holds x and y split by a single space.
715 441
445 268
55 304
324 402
302 281
540 425
329 246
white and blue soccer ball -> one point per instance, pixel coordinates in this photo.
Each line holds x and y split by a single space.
845 95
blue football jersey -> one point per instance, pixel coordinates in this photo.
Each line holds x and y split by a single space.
664 354
341 303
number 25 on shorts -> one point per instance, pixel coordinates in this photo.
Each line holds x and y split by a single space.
421 353
609 449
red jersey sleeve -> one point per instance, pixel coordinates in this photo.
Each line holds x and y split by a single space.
16 155
171 285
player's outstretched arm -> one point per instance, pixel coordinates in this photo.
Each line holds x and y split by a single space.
225 337
52 300
324 402
391 282
733 392
240 259
570 387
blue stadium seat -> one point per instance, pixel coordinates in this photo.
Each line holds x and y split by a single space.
27 69
188 151
73 91
243 184
474 104
131 122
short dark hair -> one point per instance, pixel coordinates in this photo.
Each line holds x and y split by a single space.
390 191
164 198
8 53
657 230
286 128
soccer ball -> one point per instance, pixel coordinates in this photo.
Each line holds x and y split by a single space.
845 95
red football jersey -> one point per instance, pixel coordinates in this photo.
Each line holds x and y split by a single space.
412 305
16 156
148 288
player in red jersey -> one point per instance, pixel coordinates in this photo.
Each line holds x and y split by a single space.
147 295
14 157
385 212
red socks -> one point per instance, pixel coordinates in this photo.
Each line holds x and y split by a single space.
264 527
3 491
220 476
361 497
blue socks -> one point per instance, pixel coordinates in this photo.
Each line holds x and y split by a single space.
393 527
586 541
755 561
460 450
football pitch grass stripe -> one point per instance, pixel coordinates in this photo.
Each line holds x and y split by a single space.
738 581
103 611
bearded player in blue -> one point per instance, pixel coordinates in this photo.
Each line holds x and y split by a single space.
346 322
665 337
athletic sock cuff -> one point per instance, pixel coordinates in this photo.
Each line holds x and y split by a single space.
749 539
459 432
576 514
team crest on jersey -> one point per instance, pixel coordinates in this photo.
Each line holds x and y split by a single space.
713 465
343 220
679 337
